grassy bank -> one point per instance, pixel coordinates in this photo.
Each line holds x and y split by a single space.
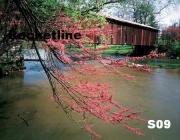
161 63
118 50
113 50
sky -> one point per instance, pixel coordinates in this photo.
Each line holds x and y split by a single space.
170 15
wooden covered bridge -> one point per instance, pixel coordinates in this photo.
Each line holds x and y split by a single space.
141 36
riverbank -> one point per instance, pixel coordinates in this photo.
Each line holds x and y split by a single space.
113 50
161 63
12 61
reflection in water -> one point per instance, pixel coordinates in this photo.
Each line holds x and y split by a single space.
158 93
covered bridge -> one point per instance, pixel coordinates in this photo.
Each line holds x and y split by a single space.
141 36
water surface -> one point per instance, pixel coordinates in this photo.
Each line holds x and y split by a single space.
28 92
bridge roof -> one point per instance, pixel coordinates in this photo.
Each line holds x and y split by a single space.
127 21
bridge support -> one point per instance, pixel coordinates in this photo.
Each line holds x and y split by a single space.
143 50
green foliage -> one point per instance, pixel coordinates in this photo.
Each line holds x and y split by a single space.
174 47
72 9
144 14
47 8
171 39
171 46
160 42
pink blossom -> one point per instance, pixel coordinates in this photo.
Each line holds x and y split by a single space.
50 42
74 105
65 59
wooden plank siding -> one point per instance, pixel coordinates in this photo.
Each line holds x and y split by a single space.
131 33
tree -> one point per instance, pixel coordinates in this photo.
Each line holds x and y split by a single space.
171 39
87 6
144 13
56 32
140 11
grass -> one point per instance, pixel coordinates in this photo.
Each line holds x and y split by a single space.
114 50
118 50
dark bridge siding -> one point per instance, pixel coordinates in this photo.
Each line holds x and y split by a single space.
131 33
